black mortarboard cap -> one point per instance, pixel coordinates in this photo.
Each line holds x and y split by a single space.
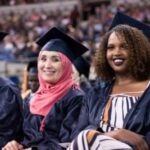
82 65
2 35
121 18
57 40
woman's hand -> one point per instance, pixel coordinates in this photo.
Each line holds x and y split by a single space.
130 137
13 145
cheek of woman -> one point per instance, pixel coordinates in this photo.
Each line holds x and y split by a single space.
52 74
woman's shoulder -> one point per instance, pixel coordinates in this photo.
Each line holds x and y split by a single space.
74 94
4 81
7 85
75 91
9 90
100 86
99 92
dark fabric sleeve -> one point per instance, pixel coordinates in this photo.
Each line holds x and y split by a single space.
89 115
31 123
83 120
70 119
10 114
50 144
147 138
147 124
85 86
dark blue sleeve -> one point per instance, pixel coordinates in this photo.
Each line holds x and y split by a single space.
31 124
85 86
83 121
70 118
147 124
147 138
10 114
90 112
48 145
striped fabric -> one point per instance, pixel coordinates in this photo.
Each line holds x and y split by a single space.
112 118
92 140
116 110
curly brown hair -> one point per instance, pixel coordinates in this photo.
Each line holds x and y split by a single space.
139 61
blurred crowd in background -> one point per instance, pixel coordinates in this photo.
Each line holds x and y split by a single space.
86 23
19 2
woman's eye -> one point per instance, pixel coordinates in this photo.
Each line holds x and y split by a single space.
126 47
43 59
55 59
110 47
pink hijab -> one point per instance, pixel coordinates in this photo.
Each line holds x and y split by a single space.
48 94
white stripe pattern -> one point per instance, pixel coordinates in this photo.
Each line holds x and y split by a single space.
120 106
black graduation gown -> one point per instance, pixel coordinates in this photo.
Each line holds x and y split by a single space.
10 112
58 123
85 86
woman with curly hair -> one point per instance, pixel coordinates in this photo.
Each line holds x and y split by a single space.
117 116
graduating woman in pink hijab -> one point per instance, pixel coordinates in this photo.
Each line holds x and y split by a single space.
52 112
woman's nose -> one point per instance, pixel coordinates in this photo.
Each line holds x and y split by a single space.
117 51
48 64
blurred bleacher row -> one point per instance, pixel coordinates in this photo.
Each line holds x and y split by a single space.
85 20
26 2
22 2
46 5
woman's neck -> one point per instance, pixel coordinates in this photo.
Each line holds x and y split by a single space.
128 84
124 80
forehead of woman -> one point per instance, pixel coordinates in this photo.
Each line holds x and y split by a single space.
50 53
116 35
125 33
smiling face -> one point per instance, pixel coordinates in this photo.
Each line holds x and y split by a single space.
50 66
117 53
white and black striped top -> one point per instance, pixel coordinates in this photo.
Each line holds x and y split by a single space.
116 110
